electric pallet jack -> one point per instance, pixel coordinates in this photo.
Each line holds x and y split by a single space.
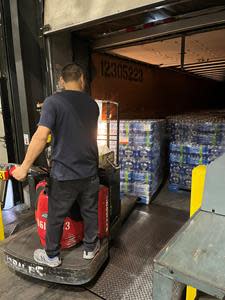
111 211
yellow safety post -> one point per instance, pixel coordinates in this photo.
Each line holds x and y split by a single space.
2 235
197 189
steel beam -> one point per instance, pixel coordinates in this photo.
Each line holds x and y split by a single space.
212 76
205 67
9 95
203 64
206 71
19 70
209 72
161 31
182 55
49 64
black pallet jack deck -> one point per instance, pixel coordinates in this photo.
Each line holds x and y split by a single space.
75 270
128 274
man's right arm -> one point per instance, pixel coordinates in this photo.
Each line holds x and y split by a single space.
37 145
39 139
35 148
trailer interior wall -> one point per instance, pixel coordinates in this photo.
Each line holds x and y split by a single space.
145 91
142 90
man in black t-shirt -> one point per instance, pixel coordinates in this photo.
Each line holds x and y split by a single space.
71 117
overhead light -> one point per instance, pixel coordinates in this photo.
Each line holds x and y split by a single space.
157 16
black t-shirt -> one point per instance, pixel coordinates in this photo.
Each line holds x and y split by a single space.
72 117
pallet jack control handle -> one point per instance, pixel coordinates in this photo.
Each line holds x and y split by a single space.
11 171
7 169
116 167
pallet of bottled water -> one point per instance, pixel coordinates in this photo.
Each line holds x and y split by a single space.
142 157
194 140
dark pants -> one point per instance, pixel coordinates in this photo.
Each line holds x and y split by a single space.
62 195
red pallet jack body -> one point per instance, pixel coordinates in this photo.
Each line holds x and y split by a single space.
73 230
75 270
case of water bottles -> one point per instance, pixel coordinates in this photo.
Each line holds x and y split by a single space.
194 140
142 157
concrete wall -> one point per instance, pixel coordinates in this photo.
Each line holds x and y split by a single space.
144 91
59 14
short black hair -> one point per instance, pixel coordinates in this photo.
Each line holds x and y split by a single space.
72 72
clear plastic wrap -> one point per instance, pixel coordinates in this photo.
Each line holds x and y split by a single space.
194 139
142 157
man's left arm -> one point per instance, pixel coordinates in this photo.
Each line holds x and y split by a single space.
37 145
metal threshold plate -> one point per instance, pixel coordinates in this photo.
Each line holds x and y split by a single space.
75 270
128 275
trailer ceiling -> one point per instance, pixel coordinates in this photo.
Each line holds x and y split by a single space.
204 54
187 35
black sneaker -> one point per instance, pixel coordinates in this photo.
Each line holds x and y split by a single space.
91 254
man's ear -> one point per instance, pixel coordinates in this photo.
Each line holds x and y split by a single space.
61 83
82 82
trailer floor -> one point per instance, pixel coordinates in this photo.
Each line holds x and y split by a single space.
128 274
179 200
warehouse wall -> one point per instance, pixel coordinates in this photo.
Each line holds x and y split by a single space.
144 91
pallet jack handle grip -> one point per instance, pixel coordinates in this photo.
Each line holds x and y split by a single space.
11 171
6 171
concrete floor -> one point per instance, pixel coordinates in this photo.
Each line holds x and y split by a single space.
15 286
17 218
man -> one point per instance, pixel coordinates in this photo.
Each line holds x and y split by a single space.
71 116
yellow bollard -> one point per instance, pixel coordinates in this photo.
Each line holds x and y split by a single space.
197 189
2 235
191 293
